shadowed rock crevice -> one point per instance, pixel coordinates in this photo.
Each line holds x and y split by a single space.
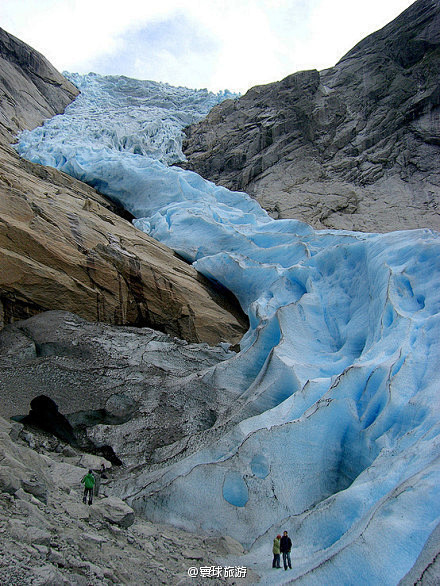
45 416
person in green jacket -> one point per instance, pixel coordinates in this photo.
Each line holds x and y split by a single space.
89 483
276 552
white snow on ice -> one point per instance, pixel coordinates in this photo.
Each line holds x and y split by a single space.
337 378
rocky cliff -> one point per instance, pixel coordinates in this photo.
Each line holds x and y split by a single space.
30 88
352 147
62 246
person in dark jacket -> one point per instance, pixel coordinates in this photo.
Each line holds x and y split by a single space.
101 475
276 552
285 548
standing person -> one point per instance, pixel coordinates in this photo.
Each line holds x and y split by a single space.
89 483
285 548
98 477
276 552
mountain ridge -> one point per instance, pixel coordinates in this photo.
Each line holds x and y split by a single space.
31 89
352 147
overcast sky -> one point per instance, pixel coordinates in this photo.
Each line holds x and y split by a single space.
217 44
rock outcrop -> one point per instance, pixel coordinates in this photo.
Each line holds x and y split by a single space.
352 147
31 90
62 246
132 389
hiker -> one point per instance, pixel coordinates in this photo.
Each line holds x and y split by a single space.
276 552
89 483
98 477
285 548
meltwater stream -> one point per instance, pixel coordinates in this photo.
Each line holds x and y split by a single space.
338 376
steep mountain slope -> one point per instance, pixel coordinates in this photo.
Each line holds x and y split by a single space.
30 88
354 147
62 246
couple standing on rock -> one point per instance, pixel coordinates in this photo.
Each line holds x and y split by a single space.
282 545
92 484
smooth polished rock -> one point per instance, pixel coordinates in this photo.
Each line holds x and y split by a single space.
63 248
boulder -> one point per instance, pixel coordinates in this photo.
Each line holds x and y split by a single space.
26 533
225 545
66 476
9 482
114 511
76 510
22 468
93 462
36 487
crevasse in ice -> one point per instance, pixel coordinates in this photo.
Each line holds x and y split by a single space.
336 431
142 117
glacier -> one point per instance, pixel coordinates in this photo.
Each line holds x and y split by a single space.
335 431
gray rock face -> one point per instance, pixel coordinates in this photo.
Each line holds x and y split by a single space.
353 147
134 389
114 511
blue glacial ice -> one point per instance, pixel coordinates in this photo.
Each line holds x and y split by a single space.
336 431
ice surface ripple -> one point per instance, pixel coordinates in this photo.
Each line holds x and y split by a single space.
338 376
